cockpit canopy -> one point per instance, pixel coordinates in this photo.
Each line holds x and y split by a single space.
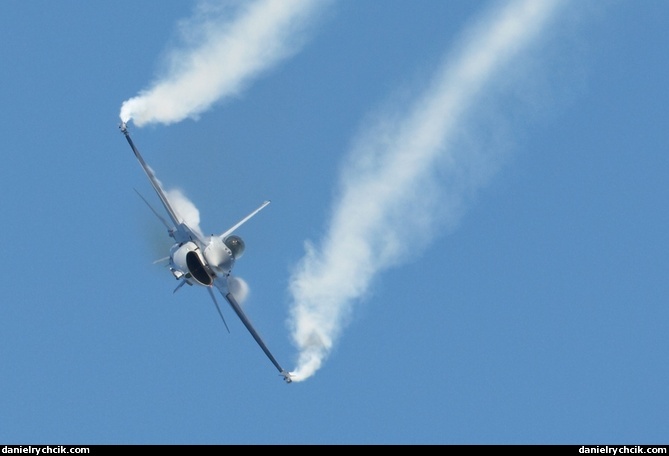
236 245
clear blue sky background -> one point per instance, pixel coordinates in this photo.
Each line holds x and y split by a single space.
534 313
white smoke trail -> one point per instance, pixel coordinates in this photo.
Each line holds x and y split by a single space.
232 43
185 209
239 289
390 201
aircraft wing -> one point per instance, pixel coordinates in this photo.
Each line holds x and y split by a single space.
221 284
181 232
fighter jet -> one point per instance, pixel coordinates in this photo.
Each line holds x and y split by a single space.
205 261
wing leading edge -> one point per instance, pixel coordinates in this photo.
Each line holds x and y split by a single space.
181 231
222 287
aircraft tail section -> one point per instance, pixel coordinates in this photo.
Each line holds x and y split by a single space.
244 220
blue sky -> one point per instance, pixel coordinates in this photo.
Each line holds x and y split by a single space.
467 241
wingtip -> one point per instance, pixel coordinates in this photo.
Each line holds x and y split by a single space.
287 376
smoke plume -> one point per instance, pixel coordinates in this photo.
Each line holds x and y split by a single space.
225 45
185 209
391 200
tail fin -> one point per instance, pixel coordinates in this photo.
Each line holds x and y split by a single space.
244 220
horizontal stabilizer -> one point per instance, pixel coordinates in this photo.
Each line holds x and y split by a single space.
211 293
162 219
